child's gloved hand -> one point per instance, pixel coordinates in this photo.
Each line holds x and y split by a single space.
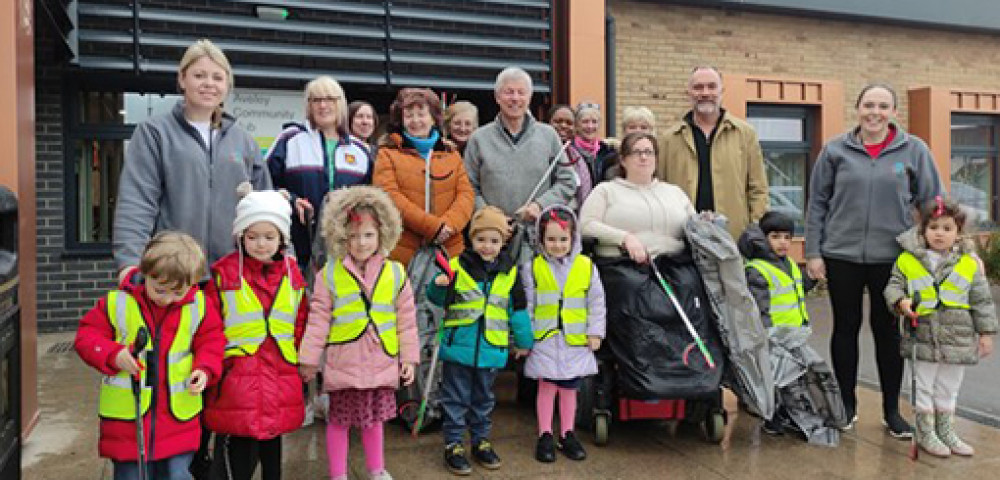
125 361
406 374
594 343
307 372
441 280
985 345
197 382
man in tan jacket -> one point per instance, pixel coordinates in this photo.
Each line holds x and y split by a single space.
715 157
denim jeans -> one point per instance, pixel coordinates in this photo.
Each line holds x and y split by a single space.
467 401
172 468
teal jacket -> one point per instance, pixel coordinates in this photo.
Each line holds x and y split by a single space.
466 345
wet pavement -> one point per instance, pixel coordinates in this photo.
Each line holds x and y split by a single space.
64 444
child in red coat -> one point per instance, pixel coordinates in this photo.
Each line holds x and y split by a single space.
184 351
259 292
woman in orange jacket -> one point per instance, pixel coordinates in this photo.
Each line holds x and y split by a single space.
435 207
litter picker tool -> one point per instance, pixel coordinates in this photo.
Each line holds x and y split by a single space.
548 173
141 339
913 322
441 261
687 322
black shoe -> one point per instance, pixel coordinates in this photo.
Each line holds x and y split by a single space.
571 447
484 454
454 459
850 417
773 427
896 426
545 449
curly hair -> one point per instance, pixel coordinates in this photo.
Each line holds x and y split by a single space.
335 223
408 97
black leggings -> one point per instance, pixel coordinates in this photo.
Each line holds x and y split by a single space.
236 457
847 282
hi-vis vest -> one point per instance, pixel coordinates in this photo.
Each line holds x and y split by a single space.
247 326
566 310
788 298
953 291
116 400
471 303
352 310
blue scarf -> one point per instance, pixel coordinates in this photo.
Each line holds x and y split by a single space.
424 145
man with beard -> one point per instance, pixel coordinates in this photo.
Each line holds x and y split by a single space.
715 157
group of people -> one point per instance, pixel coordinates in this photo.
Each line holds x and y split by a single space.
253 273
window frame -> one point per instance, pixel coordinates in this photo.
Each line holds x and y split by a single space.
990 152
73 132
808 146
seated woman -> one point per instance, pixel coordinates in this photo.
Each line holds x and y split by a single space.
638 223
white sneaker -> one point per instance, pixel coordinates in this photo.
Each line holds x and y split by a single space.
321 406
383 475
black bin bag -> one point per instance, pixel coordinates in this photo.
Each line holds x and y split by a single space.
655 356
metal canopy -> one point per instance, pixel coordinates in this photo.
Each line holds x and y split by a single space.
437 43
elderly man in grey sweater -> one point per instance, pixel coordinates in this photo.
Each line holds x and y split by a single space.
509 156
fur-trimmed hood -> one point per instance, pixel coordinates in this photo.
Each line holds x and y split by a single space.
340 202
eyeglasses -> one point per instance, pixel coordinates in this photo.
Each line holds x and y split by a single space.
319 100
644 153
586 105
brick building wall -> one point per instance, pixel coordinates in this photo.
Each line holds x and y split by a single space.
67 286
656 45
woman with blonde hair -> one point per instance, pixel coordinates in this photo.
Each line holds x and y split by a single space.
181 169
460 120
638 119
317 156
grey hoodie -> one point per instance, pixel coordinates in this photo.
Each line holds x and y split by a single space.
858 205
171 180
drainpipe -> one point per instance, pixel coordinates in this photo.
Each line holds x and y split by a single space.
609 74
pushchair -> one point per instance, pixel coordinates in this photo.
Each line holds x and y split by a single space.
650 366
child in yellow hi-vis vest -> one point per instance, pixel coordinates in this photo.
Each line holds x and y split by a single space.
777 284
183 355
363 318
485 305
566 301
938 280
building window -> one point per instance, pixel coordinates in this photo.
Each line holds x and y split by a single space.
786 138
974 153
99 126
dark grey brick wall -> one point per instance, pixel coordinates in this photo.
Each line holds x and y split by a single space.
67 287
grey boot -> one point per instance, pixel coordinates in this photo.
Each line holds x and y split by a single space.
945 428
927 436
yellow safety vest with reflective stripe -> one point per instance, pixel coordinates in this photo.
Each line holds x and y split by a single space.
471 303
788 298
116 400
565 310
953 291
247 326
352 310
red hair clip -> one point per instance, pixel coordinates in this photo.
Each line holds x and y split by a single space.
940 207
564 224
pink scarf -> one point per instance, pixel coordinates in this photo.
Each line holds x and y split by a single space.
590 146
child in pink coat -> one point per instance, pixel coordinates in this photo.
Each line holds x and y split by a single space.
363 317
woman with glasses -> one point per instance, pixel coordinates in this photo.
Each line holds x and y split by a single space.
316 157
590 156
636 214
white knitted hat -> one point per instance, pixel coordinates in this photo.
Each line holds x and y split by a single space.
263 206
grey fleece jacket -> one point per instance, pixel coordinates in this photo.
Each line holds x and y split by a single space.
504 173
858 205
171 180
948 335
